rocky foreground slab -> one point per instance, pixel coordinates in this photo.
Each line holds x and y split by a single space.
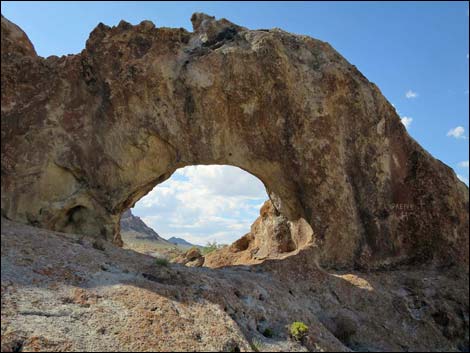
61 292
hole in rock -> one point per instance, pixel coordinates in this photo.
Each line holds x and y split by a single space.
205 206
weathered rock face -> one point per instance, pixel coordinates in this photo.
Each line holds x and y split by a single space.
272 236
191 258
85 136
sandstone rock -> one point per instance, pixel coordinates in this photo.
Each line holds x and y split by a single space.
193 254
191 258
198 262
85 136
272 236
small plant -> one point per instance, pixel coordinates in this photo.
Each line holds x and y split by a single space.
268 333
257 345
298 330
160 261
211 246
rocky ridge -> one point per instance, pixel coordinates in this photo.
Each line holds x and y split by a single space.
180 241
131 223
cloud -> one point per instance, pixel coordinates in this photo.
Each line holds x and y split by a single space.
396 109
462 178
457 132
463 164
406 120
204 203
410 94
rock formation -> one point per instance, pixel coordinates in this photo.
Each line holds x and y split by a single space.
272 236
191 258
85 136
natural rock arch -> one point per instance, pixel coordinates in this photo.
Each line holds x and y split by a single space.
85 136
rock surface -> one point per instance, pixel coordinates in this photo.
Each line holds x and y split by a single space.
191 258
85 136
272 236
60 292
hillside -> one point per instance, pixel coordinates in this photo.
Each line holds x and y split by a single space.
135 225
136 235
180 241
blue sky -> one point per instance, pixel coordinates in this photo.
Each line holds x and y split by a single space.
416 52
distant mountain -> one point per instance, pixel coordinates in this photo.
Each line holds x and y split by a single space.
138 236
180 241
133 225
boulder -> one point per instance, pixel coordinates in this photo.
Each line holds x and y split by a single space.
191 258
272 236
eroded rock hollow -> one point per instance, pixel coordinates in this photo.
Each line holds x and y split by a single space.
85 136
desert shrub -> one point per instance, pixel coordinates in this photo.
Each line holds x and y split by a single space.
211 246
173 253
160 261
298 330
257 345
268 333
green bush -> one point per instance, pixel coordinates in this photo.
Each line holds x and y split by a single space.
160 261
298 330
268 333
211 246
257 346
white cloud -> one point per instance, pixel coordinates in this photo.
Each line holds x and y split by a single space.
457 132
410 94
463 164
204 203
462 178
396 109
406 120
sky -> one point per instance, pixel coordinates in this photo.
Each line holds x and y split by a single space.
416 53
204 203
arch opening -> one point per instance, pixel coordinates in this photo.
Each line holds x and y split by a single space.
221 213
